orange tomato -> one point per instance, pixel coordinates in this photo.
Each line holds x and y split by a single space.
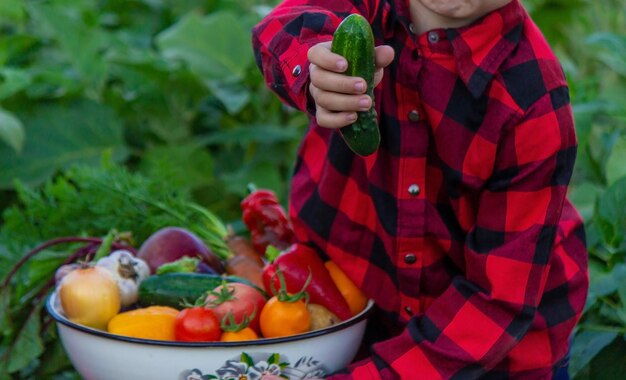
355 298
284 318
238 336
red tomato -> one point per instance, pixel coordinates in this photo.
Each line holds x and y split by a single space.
197 324
240 299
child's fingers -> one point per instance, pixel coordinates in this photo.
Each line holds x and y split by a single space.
334 101
320 55
335 82
384 55
334 120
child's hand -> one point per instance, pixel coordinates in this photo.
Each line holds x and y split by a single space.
338 96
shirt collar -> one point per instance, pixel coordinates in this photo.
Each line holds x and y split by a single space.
480 49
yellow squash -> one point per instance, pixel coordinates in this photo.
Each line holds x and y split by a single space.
355 298
153 322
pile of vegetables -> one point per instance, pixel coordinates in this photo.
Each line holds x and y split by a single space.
203 285
185 301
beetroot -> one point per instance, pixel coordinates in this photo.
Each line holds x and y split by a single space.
171 243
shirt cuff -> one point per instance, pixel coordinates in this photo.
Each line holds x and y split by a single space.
295 70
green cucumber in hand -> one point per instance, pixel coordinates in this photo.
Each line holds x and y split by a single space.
354 41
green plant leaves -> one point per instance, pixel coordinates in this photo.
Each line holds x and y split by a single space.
78 35
609 363
59 135
233 95
216 48
11 130
12 81
28 344
611 213
166 162
616 163
619 274
255 133
611 50
586 345
12 10
602 283
584 197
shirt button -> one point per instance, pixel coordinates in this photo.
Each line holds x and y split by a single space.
414 189
412 28
410 258
408 310
433 37
296 70
414 115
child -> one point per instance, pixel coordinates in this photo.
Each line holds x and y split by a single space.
458 226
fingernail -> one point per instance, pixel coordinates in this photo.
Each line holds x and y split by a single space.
359 86
342 65
364 103
351 117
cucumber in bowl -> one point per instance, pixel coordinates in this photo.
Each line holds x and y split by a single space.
174 289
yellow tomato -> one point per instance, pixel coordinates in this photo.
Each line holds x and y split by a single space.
238 336
284 318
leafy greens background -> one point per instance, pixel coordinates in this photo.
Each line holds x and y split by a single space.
162 99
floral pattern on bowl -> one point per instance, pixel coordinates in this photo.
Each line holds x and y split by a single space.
258 365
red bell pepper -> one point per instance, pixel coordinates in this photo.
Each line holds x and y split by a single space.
266 220
297 264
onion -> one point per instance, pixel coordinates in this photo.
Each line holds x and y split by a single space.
64 270
90 297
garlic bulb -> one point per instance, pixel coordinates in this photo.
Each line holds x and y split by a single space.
128 270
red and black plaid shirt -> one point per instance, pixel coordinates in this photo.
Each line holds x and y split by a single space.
458 226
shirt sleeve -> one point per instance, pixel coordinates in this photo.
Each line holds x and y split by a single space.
486 311
282 40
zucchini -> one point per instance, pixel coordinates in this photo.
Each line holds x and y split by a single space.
174 289
354 41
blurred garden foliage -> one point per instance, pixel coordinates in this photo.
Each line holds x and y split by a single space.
169 90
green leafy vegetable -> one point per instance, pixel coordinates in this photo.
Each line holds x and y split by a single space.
28 344
98 199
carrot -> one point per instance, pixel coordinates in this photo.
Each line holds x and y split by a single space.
246 261
247 268
240 246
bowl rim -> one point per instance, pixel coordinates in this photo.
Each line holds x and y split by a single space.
258 342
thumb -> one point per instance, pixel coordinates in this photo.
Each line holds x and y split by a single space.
384 56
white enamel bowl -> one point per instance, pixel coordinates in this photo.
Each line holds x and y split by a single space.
98 355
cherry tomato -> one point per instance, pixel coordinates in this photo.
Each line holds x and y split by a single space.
284 318
197 324
238 336
240 299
